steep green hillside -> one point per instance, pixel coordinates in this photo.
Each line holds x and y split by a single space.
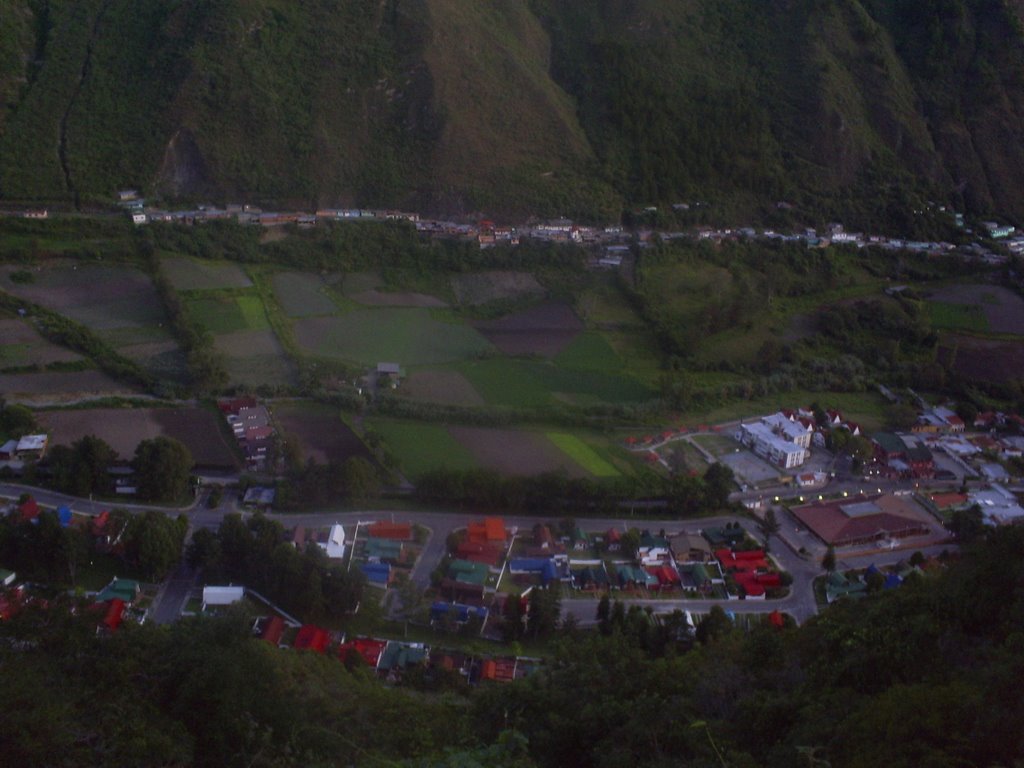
860 108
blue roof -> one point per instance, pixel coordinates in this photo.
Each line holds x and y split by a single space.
64 514
892 581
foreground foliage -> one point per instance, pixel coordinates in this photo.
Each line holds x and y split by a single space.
927 675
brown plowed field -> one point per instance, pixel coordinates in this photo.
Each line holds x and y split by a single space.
375 298
545 329
320 432
514 451
124 428
985 360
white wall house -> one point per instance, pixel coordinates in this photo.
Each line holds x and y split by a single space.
779 450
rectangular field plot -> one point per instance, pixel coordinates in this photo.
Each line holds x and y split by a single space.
410 336
227 314
188 274
962 317
532 383
319 432
583 454
124 428
21 345
421 447
590 352
716 445
303 294
253 358
60 386
515 451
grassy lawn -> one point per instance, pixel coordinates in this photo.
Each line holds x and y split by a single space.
421 447
716 445
582 454
958 317
303 294
94 575
188 274
410 336
865 408
226 314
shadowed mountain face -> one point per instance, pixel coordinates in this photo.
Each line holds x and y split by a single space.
512 107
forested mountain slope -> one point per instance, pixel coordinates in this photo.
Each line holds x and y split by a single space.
546 106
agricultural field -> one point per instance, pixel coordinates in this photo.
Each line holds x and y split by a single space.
442 387
543 330
56 387
124 428
985 359
319 431
477 288
378 298
515 451
533 383
254 358
117 302
590 351
421 447
228 313
303 294
945 316
188 274
582 454
22 346
410 336
1001 309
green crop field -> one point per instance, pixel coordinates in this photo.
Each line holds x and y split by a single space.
227 314
590 352
531 383
957 317
410 336
421 447
583 454
303 294
188 274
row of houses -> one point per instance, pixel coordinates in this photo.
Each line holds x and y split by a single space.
253 429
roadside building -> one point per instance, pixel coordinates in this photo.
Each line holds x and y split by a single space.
864 519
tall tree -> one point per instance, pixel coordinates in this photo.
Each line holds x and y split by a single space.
718 484
828 562
162 466
768 526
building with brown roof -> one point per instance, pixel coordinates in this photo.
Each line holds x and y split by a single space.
864 519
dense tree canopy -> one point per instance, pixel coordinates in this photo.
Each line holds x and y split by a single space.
162 467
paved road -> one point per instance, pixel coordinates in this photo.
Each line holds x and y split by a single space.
785 548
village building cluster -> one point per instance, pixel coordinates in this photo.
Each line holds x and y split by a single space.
253 429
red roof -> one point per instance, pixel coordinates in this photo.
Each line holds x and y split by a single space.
236 404
386 530
631 440
366 647
666 575
477 552
115 613
492 529
99 523
749 561
311 638
776 619
29 510
613 535
273 630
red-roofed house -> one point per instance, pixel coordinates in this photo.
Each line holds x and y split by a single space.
29 510
369 649
234 405
747 562
475 552
311 638
666 575
115 614
490 531
392 531
776 619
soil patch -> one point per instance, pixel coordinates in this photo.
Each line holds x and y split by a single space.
545 329
1003 308
124 428
71 385
444 387
320 432
515 452
984 360
375 298
484 287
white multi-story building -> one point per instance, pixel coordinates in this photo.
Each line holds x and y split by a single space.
770 439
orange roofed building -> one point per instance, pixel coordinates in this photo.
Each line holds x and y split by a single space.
490 531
